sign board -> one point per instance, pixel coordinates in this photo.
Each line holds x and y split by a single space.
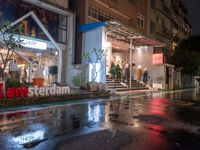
158 59
31 43
33 91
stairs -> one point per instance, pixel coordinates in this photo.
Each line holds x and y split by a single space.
118 86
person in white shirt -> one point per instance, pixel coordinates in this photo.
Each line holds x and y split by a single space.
13 69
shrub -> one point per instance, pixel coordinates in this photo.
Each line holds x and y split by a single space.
13 83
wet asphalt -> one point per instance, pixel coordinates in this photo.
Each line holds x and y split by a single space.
153 121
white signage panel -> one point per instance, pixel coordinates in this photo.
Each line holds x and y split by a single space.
34 44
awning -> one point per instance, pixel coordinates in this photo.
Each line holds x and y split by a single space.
121 32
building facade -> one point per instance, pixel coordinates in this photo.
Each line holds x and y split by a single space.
126 23
181 28
132 13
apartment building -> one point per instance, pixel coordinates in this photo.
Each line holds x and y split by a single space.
167 22
123 27
132 13
159 24
181 28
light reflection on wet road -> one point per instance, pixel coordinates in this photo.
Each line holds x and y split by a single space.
154 121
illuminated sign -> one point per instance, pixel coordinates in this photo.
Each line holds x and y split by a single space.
33 44
158 59
34 91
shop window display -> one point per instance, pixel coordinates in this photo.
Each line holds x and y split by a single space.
11 10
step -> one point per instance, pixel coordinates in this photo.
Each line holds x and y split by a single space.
126 89
126 84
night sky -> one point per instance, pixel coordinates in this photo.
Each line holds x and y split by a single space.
193 7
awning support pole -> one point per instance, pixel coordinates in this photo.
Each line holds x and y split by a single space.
130 64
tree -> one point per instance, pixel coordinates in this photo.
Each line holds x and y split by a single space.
187 55
10 41
94 57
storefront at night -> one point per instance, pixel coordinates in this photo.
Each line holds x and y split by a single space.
47 41
125 47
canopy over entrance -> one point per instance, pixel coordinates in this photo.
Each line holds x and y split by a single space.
121 32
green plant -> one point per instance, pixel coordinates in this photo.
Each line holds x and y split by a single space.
10 42
115 71
76 80
94 57
13 83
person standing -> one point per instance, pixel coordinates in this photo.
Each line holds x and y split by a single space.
13 69
145 76
126 75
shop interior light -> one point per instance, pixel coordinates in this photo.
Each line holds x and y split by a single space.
56 53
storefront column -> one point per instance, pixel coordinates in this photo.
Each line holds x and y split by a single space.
59 65
130 62
30 73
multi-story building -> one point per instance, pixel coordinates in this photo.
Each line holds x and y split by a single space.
124 33
132 13
168 23
159 25
47 38
181 28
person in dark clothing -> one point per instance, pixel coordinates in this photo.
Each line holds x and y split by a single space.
145 76
126 72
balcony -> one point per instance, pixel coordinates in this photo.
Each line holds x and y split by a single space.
166 32
175 39
166 10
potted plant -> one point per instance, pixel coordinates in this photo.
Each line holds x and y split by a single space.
115 71
94 57
76 80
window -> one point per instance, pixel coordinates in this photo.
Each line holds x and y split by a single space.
153 4
134 2
152 27
99 15
140 20
160 20
62 29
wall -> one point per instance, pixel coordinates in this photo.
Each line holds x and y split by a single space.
97 36
124 11
60 3
187 81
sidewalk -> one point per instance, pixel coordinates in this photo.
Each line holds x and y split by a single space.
102 140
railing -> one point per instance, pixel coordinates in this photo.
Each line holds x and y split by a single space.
167 32
166 10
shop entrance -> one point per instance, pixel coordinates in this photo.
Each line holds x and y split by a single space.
40 54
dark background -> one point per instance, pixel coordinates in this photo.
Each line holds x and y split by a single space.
193 7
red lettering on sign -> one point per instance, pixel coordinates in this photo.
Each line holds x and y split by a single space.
21 92
10 92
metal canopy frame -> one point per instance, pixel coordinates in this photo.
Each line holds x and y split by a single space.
120 32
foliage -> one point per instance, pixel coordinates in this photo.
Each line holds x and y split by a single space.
94 57
14 83
10 42
76 80
187 55
115 71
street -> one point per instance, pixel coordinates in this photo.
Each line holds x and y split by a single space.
145 121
